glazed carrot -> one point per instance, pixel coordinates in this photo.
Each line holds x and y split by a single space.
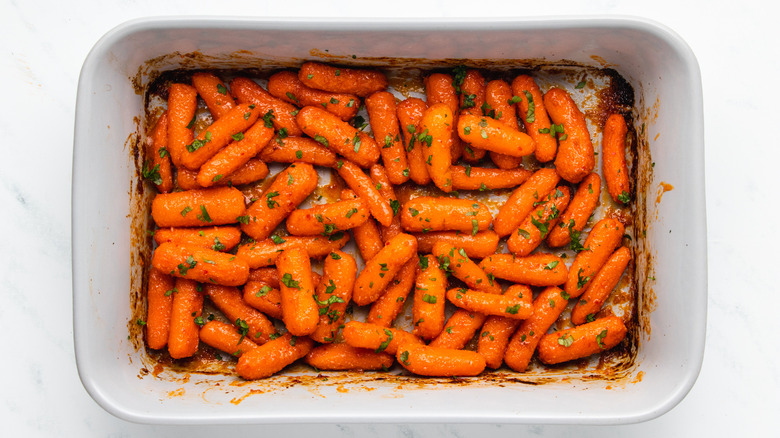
456 261
575 158
521 201
472 101
576 215
361 184
439 89
582 341
430 287
271 357
367 236
299 308
213 91
270 276
374 337
381 268
182 103
290 187
360 82
385 188
486 133
531 110
285 85
548 306
477 246
253 170
342 357
410 112
426 213
603 239
497 330
265 252
605 280
226 337
200 264
282 113
334 294
256 326
187 179
459 329
159 298
338 135
187 305
508 306
218 135
482 178
498 97
216 238
194 208
424 360
236 154
327 219
389 305
538 269
293 149
538 223
384 122
436 128
157 168
263 297
613 152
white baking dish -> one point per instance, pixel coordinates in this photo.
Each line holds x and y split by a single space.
109 245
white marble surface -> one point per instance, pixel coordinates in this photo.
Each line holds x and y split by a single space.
44 43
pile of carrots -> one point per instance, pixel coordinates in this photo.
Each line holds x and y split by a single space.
211 242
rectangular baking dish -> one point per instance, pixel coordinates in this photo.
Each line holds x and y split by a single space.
108 230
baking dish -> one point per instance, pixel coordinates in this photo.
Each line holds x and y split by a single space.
109 224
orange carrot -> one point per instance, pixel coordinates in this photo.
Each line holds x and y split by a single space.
481 178
380 339
576 215
459 329
410 112
603 239
300 312
425 214
381 268
226 337
436 125
538 223
362 185
487 133
271 357
575 158
253 170
233 156
338 135
498 97
538 269
270 276
157 168
389 305
384 122
508 306
582 341
200 264
360 82
385 188
213 91
294 149
531 110
216 238
342 357
159 298
428 307
187 179
522 199
605 280
263 297
285 85
194 208
327 219
497 330
265 252
472 102
367 236
477 246
218 135
333 294
439 89
424 360
613 151
248 320
182 103
187 305
282 113
456 260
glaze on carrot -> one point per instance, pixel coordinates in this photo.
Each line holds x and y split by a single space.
613 152
429 298
605 280
360 82
344 357
300 312
521 202
295 149
500 106
576 215
182 103
497 330
282 114
410 112
382 268
200 264
603 239
377 338
225 337
367 236
213 91
248 320
334 294
157 168
477 246
426 214
216 238
482 178
338 135
575 158
436 128
582 341
187 305
196 208
390 304
232 157
273 356
486 133
539 269
328 219
361 184
439 89
531 110
286 86
537 225
456 261
424 360
217 135
159 299
262 253
384 124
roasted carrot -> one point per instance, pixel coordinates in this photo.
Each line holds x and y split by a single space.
218 135
282 114
270 276
226 337
263 297
455 260
384 122
327 219
385 188
435 137
582 341
157 168
472 102
486 133
482 178
439 88
424 360
294 149
367 236
187 179
613 152
477 246
285 85
537 225
374 337
300 312
497 330
575 158
605 280
159 299
530 109
253 170
213 91
247 319
334 294
216 238
271 357
187 305
232 157
194 208
360 82
380 269
509 306
500 106
576 215
410 112
425 214
521 202
265 252
389 305
459 329
361 184
539 269
182 103
338 135
200 264
342 357
603 239
430 287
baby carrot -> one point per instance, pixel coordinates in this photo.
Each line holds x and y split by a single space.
193 208
430 287
497 330
333 294
436 125
270 276
159 298
531 110
290 187
538 269
263 297
327 219
251 323
424 360
582 341
605 236
182 103
575 158
158 168
364 335
226 337
285 85
459 329
439 89
381 268
410 112
472 101
425 214
271 357
482 178
300 312
216 238
218 135
576 215
487 133
265 252
294 149
389 305
253 170
200 264
477 246
282 114
605 280
613 151
187 305
213 91
548 306
230 158
455 260
338 135
499 105
361 184
187 179
385 188
522 200
384 122
360 82
508 306
367 236
538 223
342 357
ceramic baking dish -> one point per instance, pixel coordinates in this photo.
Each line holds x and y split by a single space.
110 249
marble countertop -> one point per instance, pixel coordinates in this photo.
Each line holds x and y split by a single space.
45 42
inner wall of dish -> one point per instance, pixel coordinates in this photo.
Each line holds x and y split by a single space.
605 91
